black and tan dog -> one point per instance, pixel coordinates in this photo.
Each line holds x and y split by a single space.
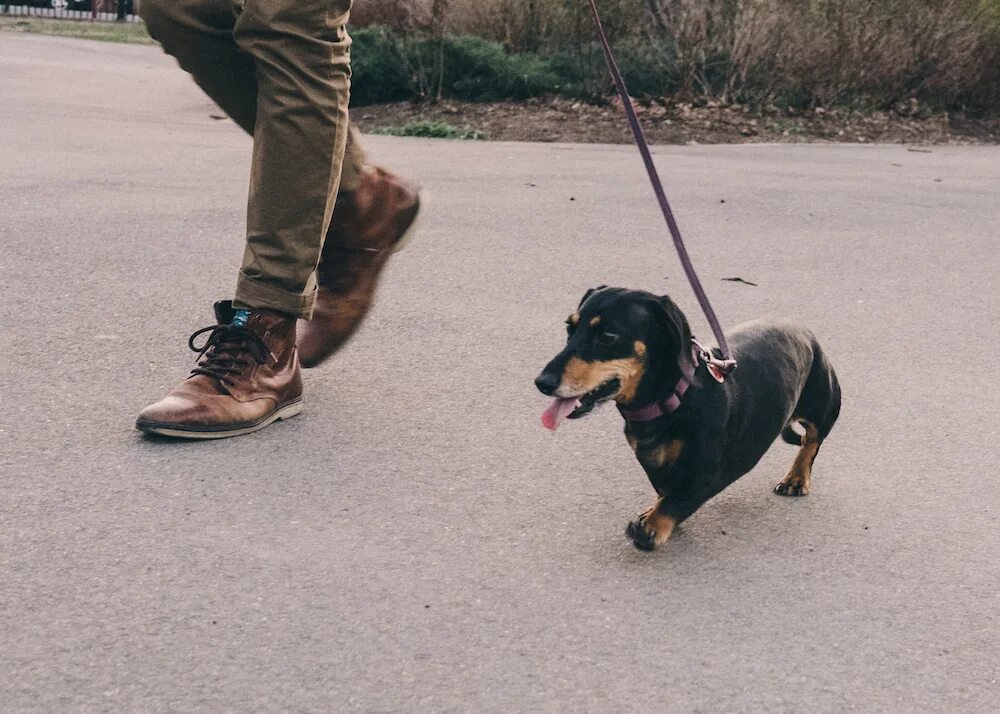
693 434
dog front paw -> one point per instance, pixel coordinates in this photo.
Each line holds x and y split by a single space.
651 529
641 537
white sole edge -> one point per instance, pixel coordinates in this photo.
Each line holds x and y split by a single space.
285 412
424 197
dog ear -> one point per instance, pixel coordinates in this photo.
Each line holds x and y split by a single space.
588 294
679 329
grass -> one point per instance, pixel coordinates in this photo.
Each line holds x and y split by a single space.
125 32
431 130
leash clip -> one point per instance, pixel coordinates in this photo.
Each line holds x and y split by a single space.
717 367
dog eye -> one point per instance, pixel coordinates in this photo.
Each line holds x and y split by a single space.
570 328
607 338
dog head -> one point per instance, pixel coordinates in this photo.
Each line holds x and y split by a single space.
622 345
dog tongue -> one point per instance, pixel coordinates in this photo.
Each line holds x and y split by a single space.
558 410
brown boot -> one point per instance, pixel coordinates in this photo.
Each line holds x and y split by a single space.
368 225
248 377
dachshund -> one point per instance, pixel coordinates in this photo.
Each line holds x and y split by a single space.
693 429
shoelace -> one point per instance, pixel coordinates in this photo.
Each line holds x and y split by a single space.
227 352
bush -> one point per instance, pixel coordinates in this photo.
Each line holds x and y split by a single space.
388 68
377 73
871 54
480 70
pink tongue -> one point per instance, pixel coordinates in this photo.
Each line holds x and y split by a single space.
558 410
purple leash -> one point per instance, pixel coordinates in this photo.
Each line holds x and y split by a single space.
727 364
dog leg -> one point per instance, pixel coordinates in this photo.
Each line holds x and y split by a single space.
797 482
651 529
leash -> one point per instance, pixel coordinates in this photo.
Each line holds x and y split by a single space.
727 364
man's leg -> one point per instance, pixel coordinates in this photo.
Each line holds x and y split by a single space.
199 34
249 373
301 54
375 210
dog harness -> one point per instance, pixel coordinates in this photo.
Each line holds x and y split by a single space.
664 407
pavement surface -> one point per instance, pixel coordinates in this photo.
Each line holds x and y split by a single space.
415 540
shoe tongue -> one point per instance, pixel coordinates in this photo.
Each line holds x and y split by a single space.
224 312
240 318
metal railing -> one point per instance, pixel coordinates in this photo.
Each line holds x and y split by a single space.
100 10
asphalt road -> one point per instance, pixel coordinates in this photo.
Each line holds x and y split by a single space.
415 540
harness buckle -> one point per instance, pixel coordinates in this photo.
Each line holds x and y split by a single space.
717 367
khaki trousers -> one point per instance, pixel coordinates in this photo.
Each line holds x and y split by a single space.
282 70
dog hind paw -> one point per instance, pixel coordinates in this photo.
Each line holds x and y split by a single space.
792 487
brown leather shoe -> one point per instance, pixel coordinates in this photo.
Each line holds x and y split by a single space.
368 225
248 377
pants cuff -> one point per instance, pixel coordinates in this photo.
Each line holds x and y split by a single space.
254 293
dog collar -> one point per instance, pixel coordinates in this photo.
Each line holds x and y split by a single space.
716 367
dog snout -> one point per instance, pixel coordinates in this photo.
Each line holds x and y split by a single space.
547 383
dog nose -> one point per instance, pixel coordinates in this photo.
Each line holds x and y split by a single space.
547 383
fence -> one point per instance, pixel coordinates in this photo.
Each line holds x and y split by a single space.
103 10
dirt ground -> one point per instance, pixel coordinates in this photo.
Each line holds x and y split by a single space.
565 120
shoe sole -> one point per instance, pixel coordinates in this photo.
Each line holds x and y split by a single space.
423 198
173 431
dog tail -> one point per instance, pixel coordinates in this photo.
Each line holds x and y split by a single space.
790 436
